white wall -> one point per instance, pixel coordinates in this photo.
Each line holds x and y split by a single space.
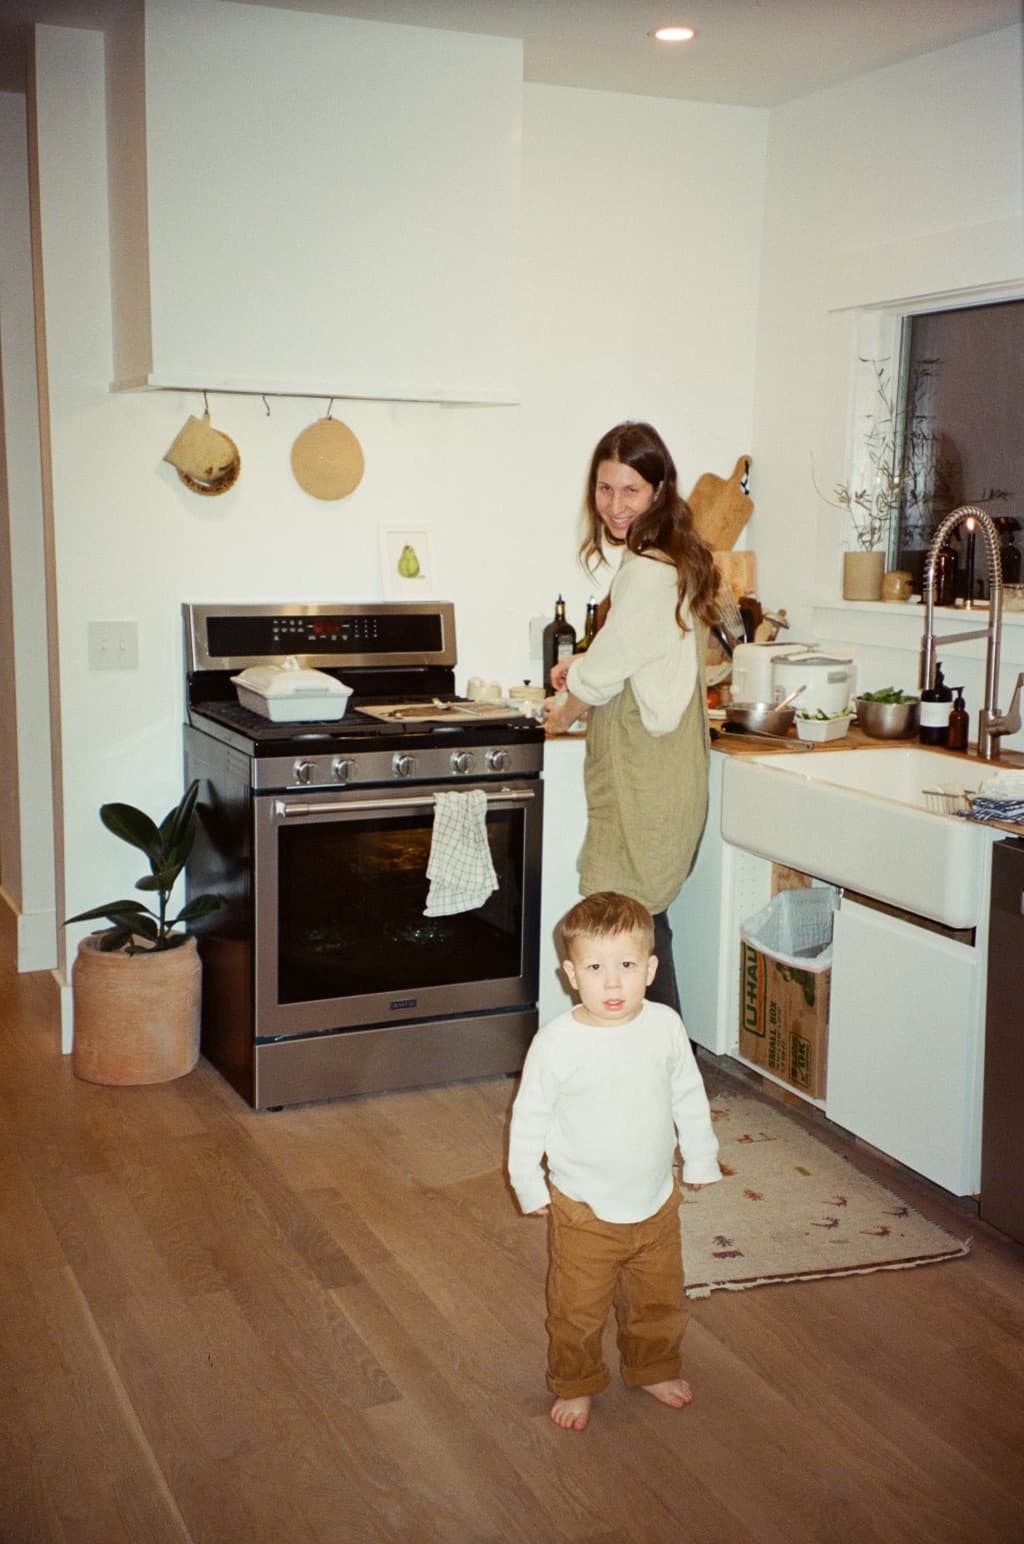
901 185
26 808
640 272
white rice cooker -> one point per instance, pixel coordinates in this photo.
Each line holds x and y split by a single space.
752 669
827 678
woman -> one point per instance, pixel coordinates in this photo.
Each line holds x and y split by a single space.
642 680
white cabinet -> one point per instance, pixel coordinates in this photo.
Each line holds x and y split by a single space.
565 824
906 1043
907 1019
726 886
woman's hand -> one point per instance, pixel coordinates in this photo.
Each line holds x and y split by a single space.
541 1211
560 713
559 671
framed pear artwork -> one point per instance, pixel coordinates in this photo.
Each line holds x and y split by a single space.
407 563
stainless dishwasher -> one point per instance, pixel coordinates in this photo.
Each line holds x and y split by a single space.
1002 1128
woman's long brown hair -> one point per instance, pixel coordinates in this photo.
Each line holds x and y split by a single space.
668 525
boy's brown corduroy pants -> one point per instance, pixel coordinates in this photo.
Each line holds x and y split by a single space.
635 1267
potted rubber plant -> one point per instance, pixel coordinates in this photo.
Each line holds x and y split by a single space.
136 984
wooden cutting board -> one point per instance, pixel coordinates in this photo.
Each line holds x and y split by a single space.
427 713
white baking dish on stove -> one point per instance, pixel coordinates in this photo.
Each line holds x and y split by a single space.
289 694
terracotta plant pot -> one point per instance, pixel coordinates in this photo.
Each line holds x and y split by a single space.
862 575
136 1015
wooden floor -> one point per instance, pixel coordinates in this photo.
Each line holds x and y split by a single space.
326 1325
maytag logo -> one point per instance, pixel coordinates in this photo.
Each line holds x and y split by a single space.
403 1002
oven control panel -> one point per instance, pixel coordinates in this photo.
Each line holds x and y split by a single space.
367 769
235 636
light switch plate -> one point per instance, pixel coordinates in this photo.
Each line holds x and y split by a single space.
113 646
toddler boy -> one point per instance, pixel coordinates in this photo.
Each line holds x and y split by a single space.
608 1090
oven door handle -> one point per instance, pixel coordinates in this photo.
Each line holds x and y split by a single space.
420 801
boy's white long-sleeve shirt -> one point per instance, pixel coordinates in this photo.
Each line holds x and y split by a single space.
609 1106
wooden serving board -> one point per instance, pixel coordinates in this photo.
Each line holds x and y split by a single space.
427 713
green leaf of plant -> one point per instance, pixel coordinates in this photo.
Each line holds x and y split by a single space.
163 878
133 826
110 943
113 910
174 828
145 925
199 906
175 853
174 940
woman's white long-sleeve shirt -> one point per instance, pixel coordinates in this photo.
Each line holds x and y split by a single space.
609 1105
641 642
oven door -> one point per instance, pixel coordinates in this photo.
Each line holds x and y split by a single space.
341 884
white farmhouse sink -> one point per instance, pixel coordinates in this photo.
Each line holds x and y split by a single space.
859 819
901 774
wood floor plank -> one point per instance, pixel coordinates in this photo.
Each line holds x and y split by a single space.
325 1326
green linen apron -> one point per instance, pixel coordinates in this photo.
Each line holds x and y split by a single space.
647 797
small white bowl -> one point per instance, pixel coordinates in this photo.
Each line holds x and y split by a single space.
820 730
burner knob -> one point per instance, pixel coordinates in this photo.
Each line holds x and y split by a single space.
462 761
497 761
403 766
343 769
303 771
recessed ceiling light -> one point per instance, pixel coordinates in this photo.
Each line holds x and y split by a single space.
672 34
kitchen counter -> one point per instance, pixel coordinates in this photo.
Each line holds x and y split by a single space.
854 740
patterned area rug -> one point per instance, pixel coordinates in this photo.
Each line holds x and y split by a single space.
790 1209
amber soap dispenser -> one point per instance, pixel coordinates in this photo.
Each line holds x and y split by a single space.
959 723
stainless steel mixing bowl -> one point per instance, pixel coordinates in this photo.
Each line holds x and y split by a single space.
760 717
888 720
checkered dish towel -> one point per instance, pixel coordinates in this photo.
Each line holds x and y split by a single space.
460 869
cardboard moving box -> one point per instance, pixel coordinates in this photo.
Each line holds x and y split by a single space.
785 978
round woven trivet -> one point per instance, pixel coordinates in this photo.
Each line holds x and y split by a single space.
327 460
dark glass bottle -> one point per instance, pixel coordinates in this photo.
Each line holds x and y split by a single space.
936 707
559 643
1009 554
945 575
958 724
589 627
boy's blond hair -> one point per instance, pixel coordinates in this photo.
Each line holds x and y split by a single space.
604 914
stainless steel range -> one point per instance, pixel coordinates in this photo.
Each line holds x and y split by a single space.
322 976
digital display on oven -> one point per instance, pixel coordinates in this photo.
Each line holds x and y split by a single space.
370 633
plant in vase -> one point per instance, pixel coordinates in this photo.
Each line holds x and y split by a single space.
895 453
136 984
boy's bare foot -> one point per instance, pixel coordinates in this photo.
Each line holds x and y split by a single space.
675 1392
572 1414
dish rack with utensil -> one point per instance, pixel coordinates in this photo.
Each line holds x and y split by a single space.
946 799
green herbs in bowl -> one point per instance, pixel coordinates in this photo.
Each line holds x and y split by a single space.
821 727
821 717
886 694
889 714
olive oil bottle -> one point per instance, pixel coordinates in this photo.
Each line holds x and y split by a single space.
589 627
559 642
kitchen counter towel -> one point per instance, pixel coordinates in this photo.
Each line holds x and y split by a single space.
460 869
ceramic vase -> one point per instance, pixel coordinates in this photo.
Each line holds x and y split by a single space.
136 1015
862 575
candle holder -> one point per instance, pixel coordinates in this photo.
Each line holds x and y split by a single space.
969 524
